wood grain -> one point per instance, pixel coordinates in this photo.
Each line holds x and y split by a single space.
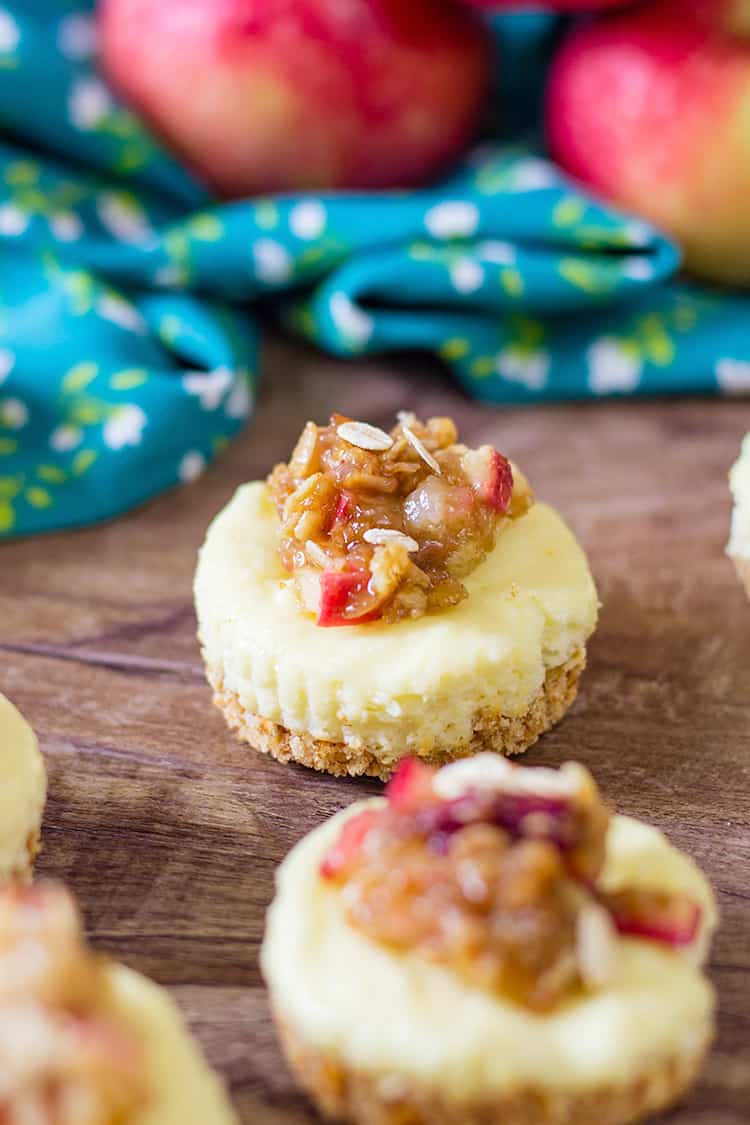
170 832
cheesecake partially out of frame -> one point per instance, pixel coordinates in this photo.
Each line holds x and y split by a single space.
738 547
23 789
84 1040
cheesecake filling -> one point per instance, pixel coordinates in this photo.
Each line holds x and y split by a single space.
494 871
413 689
385 526
739 480
23 788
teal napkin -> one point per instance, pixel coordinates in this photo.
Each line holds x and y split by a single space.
128 336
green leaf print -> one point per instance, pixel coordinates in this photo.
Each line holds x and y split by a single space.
568 212
79 377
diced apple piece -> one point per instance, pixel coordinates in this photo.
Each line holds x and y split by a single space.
307 579
340 856
491 475
435 506
343 507
339 590
673 919
553 818
305 458
410 788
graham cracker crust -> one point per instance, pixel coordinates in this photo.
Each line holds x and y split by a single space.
347 1095
24 868
491 731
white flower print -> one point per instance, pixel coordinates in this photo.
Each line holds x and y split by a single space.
532 174
530 369
733 376
9 33
638 269
169 276
239 402
638 233
65 437
307 218
273 262
124 219
498 253
66 226
124 426
354 324
210 387
467 275
121 312
13 220
14 414
89 102
76 36
7 362
613 368
191 466
453 218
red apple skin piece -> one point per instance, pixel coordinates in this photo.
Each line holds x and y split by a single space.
272 95
341 510
337 587
408 791
491 476
343 506
410 787
671 920
353 833
497 488
649 109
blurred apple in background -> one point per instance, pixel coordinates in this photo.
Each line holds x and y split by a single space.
266 95
734 15
651 108
551 5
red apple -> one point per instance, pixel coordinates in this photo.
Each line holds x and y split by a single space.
734 15
649 108
267 95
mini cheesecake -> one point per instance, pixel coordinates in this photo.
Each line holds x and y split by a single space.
23 788
391 594
485 945
738 547
84 1041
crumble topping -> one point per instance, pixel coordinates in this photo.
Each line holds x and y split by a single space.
378 525
63 1059
492 870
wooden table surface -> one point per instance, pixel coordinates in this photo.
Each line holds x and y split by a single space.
169 831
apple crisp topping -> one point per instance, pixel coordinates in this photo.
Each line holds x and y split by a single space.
492 870
378 525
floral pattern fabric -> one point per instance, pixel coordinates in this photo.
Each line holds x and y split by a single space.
128 340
